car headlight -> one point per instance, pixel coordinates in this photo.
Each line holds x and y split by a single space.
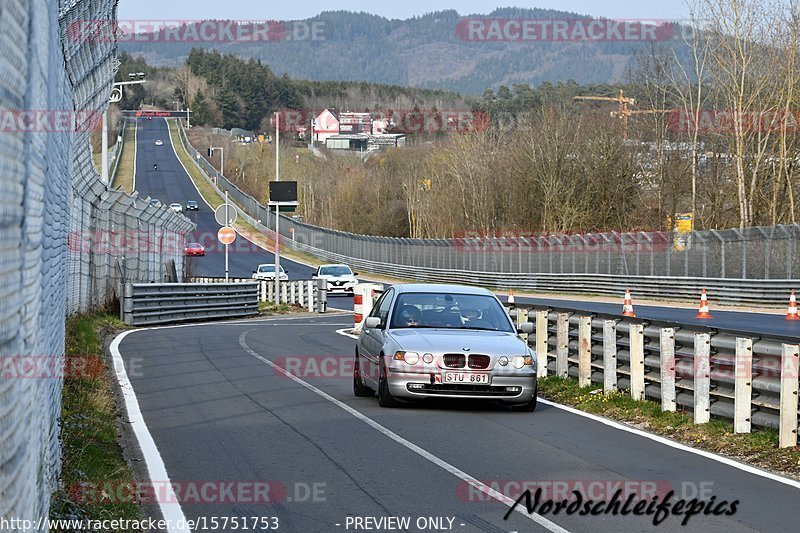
503 361
412 358
521 360
428 358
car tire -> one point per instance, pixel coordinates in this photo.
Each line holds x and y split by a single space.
359 389
528 407
385 398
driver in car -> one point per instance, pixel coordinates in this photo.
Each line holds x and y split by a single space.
410 316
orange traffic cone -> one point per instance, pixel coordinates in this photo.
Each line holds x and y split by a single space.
627 305
510 296
703 312
791 314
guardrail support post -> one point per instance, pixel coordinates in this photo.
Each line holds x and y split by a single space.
522 318
790 364
127 304
541 342
301 300
562 345
636 337
270 290
311 303
702 378
284 295
584 351
668 400
292 295
322 296
609 355
743 386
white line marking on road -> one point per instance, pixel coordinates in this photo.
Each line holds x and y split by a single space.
678 446
661 440
135 152
170 507
505 500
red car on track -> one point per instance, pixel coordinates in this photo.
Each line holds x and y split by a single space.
195 248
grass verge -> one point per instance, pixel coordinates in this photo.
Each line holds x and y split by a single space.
123 180
759 448
247 230
90 435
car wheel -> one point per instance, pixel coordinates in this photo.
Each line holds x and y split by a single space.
385 398
359 389
528 407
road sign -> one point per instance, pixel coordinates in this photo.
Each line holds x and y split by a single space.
219 215
226 235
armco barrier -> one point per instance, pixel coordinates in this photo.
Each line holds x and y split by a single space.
151 303
706 371
293 292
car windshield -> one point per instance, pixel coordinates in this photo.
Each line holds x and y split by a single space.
194 245
191 202
450 311
268 268
175 205
338 270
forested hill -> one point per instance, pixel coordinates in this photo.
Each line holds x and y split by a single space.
424 51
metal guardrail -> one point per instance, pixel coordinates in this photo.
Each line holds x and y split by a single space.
162 303
729 291
118 149
751 380
293 292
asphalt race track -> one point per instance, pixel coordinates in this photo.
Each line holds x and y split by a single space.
170 183
219 410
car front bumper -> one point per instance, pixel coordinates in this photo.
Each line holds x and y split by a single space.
347 288
408 385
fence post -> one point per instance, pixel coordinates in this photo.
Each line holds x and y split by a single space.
790 364
541 342
311 304
702 378
743 386
668 399
636 337
301 300
270 290
522 318
292 294
609 355
562 345
284 295
584 351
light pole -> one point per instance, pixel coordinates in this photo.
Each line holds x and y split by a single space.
117 92
277 210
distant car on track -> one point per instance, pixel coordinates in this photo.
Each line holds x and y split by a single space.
159 142
341 279
175 206
266 271
443 341
195 248
191 205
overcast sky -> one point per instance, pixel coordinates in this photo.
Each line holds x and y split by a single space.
283 10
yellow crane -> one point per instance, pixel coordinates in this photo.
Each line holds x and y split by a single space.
624 111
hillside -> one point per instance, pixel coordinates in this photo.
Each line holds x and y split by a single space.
423 52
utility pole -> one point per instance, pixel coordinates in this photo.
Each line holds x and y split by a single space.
277 211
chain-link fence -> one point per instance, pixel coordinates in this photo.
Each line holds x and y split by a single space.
65 239
753 253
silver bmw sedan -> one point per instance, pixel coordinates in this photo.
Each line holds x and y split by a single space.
451 341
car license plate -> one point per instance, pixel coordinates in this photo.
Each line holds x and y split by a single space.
466 378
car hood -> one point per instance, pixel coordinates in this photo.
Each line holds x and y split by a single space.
459 341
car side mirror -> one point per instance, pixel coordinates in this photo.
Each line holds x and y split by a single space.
355 273
526 328
372 322
254 271
285 271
